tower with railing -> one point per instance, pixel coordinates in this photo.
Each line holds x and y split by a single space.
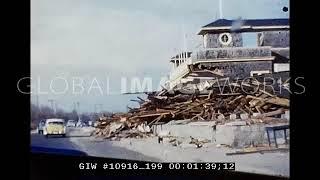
223 53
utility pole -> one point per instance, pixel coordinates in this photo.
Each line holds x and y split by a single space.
52 105
38 104
95 108
74 106
55 106
37 101
98 106
101 105
78 107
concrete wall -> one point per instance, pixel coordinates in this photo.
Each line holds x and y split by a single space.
196 130
212 40
235 136
240 136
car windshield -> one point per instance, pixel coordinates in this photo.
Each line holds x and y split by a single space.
55 123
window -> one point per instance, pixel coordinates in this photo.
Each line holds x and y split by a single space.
225 38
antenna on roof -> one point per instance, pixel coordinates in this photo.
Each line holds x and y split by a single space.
184 52
220 9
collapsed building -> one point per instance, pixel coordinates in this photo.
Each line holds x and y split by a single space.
192 103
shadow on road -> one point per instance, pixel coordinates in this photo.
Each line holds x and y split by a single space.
79 139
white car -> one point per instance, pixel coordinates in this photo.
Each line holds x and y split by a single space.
79 124
71 123
54 127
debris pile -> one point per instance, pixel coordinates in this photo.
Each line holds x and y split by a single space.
244 101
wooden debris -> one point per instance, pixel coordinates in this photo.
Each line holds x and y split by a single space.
255 150
177 104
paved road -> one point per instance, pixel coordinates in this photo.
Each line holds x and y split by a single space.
150 150
58 141
79 139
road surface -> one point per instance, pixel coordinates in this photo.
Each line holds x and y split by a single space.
149 150
79 139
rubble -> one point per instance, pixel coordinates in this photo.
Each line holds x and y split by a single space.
248 101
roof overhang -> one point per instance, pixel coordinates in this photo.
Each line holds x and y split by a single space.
220 29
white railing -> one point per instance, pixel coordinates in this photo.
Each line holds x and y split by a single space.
180 70
230 53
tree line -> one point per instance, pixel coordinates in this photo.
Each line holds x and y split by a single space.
45 112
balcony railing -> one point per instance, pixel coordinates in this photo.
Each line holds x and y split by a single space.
231 53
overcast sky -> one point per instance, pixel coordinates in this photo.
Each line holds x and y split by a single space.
121 38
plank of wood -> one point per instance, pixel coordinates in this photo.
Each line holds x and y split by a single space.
270 119
135 100
266 107
254 97
153 114
175 97
182 103
156 120
259 107
235 99
272 113
248 109
256 100
141 99
258 151
265 92
210 95
229 94
243 111
279 101
179 112
215 72
160 97
197 115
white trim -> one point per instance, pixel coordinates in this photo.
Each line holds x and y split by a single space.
201 77
259 72
270 27
280 48
223 27
235 60
243 27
